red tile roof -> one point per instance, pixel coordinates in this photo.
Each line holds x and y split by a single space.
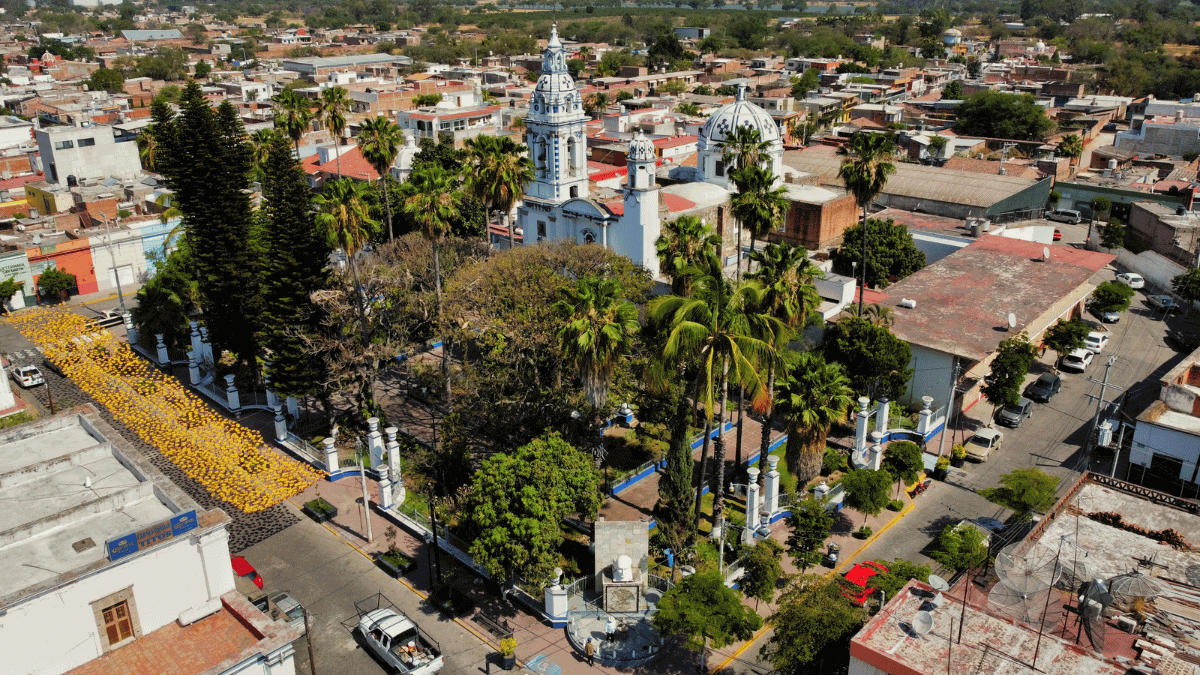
674 203
598 171
354 165
676 142
20 181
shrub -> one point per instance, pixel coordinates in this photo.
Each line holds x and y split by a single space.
959 451
864 531
833 461
896 504
507 646
943 463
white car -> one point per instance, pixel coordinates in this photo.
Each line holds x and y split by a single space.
1161 302
28 376
1079 360
1134 281
1095 341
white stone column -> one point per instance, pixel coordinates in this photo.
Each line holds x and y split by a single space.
131 334
231 393
196 348
385 488
875 458
281 430
293 407
393 454
163 359
374 442
206 353
926 415
772 495
751 505
881 415
193 369
331 456
860 431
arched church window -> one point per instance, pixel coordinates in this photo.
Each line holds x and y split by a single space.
719 168
574 191
589 237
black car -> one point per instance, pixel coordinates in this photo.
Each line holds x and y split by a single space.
1013 415
1044 388
52 367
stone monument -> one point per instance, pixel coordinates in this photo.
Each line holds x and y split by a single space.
622 552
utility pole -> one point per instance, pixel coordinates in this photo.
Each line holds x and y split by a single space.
362 474
111 255
949 407
312 659
1104 385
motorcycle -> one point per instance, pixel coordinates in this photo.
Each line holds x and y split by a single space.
922 486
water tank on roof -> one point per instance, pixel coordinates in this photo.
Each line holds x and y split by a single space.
72 181
1112 163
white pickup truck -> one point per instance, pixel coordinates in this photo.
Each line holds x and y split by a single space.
399 643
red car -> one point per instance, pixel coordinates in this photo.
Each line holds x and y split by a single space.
858 576
1057 235
244 570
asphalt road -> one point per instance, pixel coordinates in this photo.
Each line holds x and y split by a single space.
328 577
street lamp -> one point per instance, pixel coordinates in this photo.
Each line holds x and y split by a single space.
116 272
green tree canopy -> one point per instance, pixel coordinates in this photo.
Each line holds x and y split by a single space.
867 490
702 608
960 546
876 361
812 616
517 501
952 91
1112 234
994 114
810 525
1009 367
1065 336
8 289
1112 296
1024 491
900 571
106 79
1187 286
55 283
902 459
166 302
762 570
891 253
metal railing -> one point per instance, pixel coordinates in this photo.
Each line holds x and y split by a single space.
580 586
659 583
306 450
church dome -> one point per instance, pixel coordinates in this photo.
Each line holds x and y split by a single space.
555 93
740 113
641 149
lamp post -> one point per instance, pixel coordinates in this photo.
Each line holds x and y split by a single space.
113 256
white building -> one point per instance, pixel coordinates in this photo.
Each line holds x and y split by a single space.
104 556
1166 441
85 152
14 131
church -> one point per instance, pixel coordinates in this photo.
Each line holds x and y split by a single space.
557 204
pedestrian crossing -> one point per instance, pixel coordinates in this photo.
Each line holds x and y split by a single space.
25 354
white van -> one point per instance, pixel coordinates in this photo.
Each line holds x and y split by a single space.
1065 216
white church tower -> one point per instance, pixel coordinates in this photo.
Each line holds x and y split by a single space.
640 225
555 127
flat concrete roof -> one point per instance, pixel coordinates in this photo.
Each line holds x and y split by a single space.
73 483
1161 414
963 300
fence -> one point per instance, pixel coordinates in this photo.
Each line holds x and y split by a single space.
306 451
580 586
659 583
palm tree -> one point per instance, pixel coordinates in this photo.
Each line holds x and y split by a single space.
260 144
595 102
344 211
147 144
743 147
865 171
683 244
709 330
785 274
431 198
813 396
874 313
496 171
379 142
331 110
1071 146
597 331
758 205
293 116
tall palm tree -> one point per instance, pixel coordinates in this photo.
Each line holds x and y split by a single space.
1071 146
743 147
708 330
293 115
344 211
598 330
331 110
684 243
785 274
874 313
758 205
865 169
431 198
260 147
147 144
496 171
814 395
595 102
379 142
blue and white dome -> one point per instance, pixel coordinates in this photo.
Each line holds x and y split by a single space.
555 93
641 149
739 114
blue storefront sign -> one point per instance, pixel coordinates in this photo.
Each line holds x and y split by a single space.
157 533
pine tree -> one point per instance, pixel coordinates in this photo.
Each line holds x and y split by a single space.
206 160
676 494
294 265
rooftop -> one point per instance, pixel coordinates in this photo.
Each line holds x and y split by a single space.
964 299
79 484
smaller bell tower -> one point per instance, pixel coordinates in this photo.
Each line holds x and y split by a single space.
640 225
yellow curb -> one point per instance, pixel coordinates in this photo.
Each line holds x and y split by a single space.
405 583
104 299
766 625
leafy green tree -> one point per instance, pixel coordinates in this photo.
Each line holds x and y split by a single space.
1187 286
294 267
167 63
1101 205
197 145
762 570
684 243
517 500
1112 296
866 165
812 617
960 547
166 302
1112 234
900 572
810 523
994 114
814 395
902 459
891 252
54 283
106 79
8 289
496 171
952 91
676 494
1024 491
807 82
702 608
1009 367
379 142
876 362
203 70
597 331
867 491
1065 336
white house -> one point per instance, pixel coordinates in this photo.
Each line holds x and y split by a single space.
72 153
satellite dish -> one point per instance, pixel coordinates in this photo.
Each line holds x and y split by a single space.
939 584
938 600
1045 253
1012 320
922 623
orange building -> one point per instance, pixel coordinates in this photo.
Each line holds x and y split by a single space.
74 257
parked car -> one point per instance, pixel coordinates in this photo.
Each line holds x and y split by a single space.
1044 388
858 576
399 643
1132 280
1065 216
245 571
52 367
1078 359
28 376
1182 342
1109 317
283 607
983 443
1164 302
1095 341
1013 415
1057 234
